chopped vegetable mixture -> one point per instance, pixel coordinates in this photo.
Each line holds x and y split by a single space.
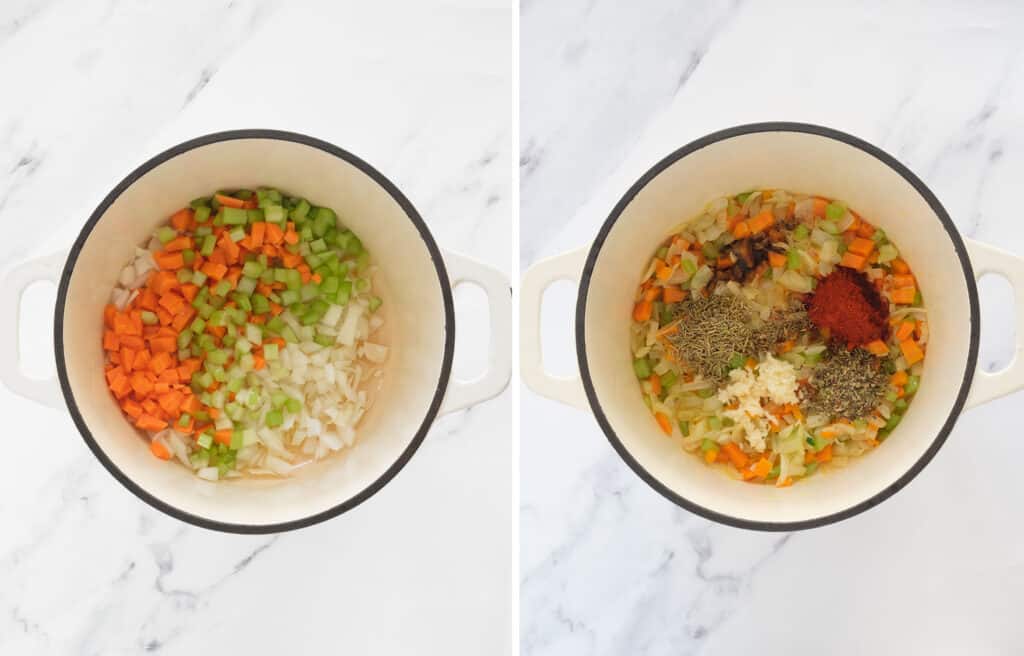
777 335
239 340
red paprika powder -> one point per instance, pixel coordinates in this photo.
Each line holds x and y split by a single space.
848 305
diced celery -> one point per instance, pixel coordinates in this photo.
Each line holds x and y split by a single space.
274 214
252 269
289 334
274 419
205 439
236 235
275 325
684 428
199 278
246 286
203 378
642 368
329 284
318 246
288 297
887 253
217 356
270 351
222 288
202 214
184 339
188 256
237 439
294 279
149 318
209 243
375 302
835 211
228 340
293 405
253 333
165 234
234 216
202 201
242 345
260 304
235 384
198 325
355 246
913 382
323 340
325 218
254 215
309 291
793 260
300 211
217 318
203 230
277 398
306 234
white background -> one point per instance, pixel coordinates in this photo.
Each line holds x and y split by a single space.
609 567
423 91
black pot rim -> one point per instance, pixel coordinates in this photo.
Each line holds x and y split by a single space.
443 378
627 198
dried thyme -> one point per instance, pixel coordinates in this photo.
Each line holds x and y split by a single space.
849 384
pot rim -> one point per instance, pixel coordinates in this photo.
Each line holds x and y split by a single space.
627 198
446 295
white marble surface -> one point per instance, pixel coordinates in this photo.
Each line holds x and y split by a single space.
608 566
426 93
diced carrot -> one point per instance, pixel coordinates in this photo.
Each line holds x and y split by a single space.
291 260
109 312
904 295
170 401
223 437
190 292
258 319
304 273
146 300
741 230
762 221
179 244
723 262
268 250
786 482
865 229
110 341
861 246
169 375
776 260
258 362
655 381
711 455
163 344
825 455
762 467
899 266
162 282
218 257
257 231
172 302
169 261
230 201
190 404
818 207
853 261
230 248
127 359
316 278
141 385
214 270
123 325
652 293
737 457
131 408
663 422
141 360
673 294
150 423
159 362
164 316
911 351
899 379
903 280
274 234
158 449
181 219
642 311
121 387
216 331
291 237
877 347
905 330
276 309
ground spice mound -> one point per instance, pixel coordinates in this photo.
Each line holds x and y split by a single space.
848 305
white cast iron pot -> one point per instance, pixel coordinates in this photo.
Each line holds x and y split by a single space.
414 279
801 158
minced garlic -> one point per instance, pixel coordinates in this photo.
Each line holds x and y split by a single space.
774 380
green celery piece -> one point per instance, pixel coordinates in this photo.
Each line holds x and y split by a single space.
253 333
252 269
288 297
217 318
184 419
235 384
203 231
165 234
274 214
235 216
355 247
200 278
323 340
237 235
331 236
205 311
205 439
300 211
267 276
209 243
276 325
294 280
202 201
274 419
293 405
260 304
318 246
309 291
297 308
244 194
342 239
222 288
306 233
245 288
189 256
324 219
237 439
362 261
202 214
243 346
203 378
642 368
329 284
254 216
217 356
281 274
277 398
289 334
835 211
198 325
375 302
362 285
149 318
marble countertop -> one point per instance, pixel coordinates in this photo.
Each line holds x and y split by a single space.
608 566
92 89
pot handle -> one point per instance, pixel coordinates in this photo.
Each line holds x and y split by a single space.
462 394
42 390
537 278
989 386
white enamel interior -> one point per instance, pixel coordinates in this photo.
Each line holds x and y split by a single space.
406 279
799 162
